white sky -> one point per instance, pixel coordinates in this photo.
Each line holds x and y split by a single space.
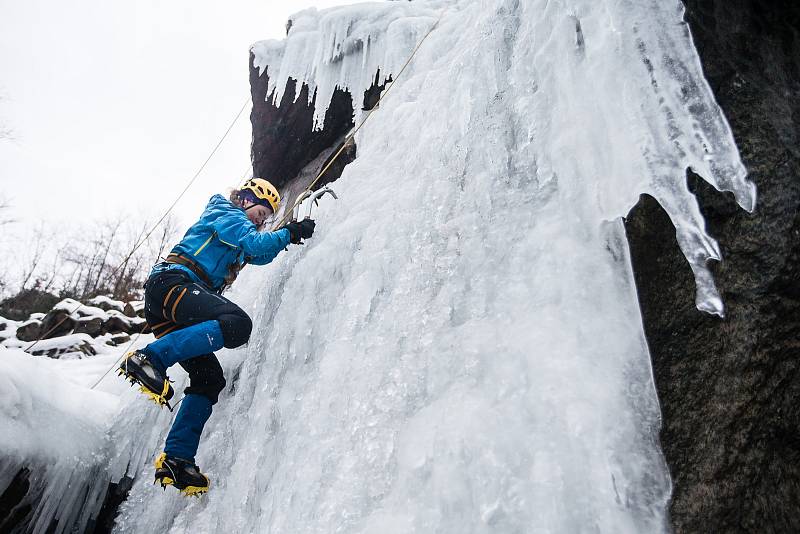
115 104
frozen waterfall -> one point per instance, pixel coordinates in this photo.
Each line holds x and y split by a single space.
459 348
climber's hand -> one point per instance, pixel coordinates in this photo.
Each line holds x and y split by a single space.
300 230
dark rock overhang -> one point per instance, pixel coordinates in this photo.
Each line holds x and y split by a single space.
730 389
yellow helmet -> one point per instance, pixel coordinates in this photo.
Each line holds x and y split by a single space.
265 191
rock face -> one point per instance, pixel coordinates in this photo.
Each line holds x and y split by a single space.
284 140
30 330
730 388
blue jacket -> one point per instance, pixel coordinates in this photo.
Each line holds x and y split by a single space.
222 237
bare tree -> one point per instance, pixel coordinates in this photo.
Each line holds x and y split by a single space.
163 239
115 258
5 206
110 258
5 132
106 245
47 282
141 251
34 256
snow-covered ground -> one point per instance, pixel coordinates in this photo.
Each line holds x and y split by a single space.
59 399
459 347
53 424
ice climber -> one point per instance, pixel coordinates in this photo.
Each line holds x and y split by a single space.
191 319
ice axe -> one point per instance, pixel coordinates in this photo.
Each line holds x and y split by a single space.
310 198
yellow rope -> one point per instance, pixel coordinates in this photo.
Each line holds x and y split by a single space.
119 359
51 330
188 185
352 134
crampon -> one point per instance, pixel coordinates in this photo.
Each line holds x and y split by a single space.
184 475
154 384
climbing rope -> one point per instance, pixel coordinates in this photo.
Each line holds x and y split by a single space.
288 213
174 203
51 330
147 235
119 359
188 185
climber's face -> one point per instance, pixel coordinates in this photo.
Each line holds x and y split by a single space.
258 213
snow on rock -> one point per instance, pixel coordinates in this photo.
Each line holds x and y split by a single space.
107 303
343 47
72 306
8 328
65 347
78 311
71 317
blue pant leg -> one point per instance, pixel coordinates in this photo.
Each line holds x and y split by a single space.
195 340
184 436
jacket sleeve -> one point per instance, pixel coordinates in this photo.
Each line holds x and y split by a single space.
235 230
277 242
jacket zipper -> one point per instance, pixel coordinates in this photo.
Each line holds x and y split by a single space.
199 250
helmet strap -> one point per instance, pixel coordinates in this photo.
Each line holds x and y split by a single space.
254 204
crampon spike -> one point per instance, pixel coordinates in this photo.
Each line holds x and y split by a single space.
159 400
194 491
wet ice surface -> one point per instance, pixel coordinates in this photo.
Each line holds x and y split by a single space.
459 347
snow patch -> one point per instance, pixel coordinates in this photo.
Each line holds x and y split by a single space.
63 432
110 303
45 414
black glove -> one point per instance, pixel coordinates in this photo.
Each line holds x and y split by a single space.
300 230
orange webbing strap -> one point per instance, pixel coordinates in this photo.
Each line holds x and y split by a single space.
192 266
168 311
177 300
162 329
166 300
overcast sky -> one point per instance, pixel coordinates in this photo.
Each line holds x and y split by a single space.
113 105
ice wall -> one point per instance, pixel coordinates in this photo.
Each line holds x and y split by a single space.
56 429
62 443
459 347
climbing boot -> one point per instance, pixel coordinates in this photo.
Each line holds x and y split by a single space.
182 474
139 370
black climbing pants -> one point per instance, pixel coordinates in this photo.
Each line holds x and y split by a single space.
172 300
